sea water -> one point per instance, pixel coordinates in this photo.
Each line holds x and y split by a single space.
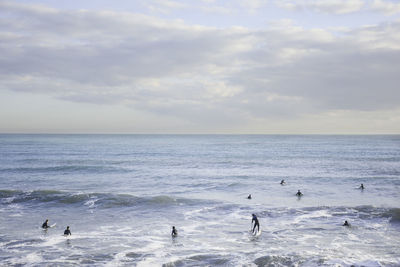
121 195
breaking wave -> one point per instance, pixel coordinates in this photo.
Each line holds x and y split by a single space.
100 200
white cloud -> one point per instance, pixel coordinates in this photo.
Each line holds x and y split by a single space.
326 6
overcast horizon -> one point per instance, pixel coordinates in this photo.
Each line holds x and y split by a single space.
200 67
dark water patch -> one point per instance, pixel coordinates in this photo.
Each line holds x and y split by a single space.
134 255
277 261
91 259
22 243
200 260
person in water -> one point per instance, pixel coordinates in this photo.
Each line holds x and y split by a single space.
256 223
67 231
346 223
299 194
174 232
249 197
282 182
45 225
361 187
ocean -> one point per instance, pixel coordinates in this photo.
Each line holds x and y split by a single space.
121 195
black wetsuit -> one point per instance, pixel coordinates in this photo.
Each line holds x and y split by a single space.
45 225
67 232
256 223
174 232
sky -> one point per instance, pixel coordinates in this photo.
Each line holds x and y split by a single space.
200 66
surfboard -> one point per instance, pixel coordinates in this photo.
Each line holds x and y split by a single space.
258 233
50 226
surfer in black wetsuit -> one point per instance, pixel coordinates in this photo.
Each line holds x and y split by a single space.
45 224
256 223
299 194
174 232
346 223
249 197
361 187
67 231
282 182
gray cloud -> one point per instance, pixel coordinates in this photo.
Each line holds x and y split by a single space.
194 73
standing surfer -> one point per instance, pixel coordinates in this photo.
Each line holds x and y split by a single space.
256 224
174 232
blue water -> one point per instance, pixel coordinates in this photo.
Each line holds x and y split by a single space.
121 194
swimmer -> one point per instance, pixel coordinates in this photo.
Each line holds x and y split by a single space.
256 223
282 182
299 194
67 231
45 225
361 187
249 197
174 232
346 223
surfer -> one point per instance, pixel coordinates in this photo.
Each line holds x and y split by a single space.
174 232
256 223
361 187
346 223
45 225
67 231
282 182
249 197
299 194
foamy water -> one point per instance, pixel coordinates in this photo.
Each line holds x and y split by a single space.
121 194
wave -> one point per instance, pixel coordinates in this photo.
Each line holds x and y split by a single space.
393 214
366 212
98 200
66 169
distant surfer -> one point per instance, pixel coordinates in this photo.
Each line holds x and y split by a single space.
45 225
299 194
361 187
346 223
249 196
174 232
256 224
282 182
67 231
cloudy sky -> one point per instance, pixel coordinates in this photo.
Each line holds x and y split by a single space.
201 66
